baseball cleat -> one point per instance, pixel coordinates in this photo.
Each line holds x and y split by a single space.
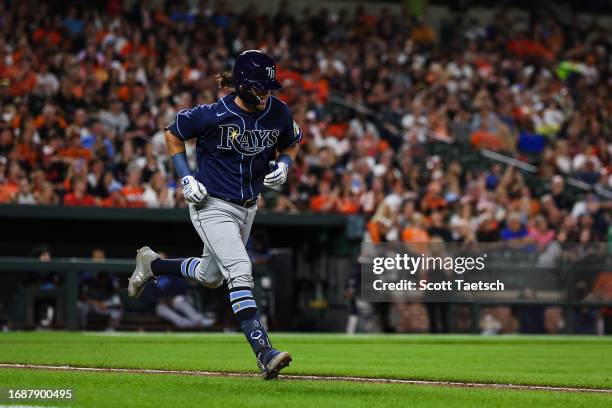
143 273
271 361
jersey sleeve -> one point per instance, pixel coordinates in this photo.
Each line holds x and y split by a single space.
189 123
291 135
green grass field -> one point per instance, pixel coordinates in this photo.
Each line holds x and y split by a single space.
552 361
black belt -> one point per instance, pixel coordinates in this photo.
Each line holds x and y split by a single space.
242 203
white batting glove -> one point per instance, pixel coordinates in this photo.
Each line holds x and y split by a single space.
193 190
278 176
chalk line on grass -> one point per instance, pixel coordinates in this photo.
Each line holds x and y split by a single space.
296 377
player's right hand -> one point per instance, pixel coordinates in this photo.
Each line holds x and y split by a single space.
193 190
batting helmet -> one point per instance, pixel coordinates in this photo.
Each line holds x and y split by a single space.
254 69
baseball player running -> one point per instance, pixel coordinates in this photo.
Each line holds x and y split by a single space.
244 141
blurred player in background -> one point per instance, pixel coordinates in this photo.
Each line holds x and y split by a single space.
244 141
169 299
99 295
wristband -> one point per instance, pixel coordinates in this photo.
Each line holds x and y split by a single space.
181 166
285 158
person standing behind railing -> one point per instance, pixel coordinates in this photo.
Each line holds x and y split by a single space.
99 295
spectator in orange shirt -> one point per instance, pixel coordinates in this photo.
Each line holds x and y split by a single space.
6 192
133 191
416 231
348 203
415 234
47 32
9 186
22 79
75 150
326 200
79 196
423 33
482 139
115 197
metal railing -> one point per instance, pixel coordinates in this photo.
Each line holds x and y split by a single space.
71 267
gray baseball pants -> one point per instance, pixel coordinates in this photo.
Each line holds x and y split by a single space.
224 229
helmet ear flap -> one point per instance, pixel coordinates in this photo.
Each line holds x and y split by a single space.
250 99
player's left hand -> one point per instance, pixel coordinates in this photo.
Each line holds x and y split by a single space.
278 176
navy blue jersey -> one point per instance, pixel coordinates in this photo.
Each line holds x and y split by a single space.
234 147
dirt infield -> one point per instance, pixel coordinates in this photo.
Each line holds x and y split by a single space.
315 378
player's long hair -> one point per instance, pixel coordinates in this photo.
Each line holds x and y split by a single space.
225 80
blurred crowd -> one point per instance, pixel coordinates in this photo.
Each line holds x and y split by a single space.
86 91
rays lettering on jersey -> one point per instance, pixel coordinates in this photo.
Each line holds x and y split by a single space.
250 142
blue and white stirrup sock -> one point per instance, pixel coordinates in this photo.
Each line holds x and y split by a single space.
185 267
245 309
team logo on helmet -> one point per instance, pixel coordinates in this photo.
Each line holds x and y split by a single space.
249 142
270 72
